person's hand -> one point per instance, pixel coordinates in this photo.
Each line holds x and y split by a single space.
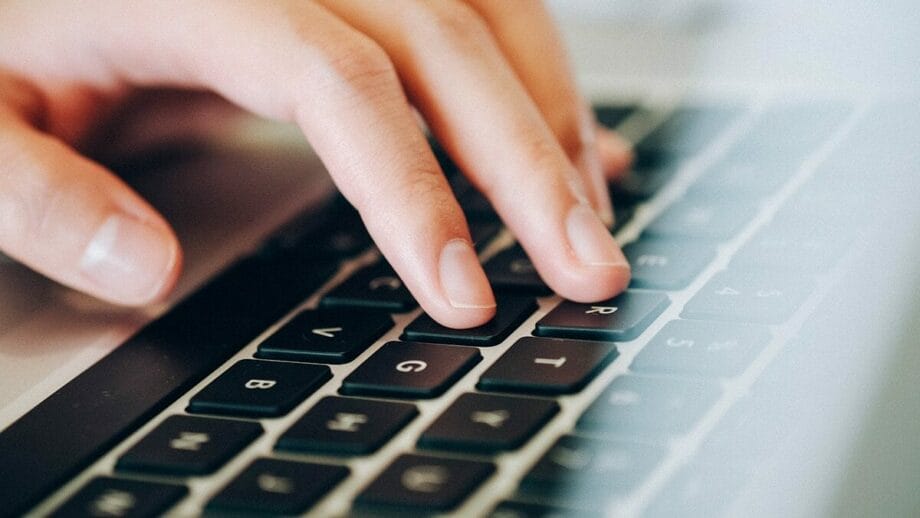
490 79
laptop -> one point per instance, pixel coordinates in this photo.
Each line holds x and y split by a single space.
761 363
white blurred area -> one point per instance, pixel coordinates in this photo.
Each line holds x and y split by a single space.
844 45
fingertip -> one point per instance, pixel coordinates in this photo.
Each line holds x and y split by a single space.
131 262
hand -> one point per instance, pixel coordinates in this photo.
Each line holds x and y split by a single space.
490 79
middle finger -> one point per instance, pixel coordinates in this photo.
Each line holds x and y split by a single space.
474 103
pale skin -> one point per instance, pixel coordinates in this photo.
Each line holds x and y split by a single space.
490 78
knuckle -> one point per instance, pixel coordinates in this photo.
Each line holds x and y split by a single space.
454 23
359 63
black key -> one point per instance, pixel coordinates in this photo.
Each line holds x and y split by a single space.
743 176
421 483
328 336
107 496
253 388
622 214
690 129
702 218
337 233
149 371
667 265
483 232
373 287
611 115
647 408
588 473
485 423
697 490
641 184
185 445
623 317
277 487
512 509
706 349
791 130
349 426
742 297
778 249
511 312
410 370
547 366
511 271
477 207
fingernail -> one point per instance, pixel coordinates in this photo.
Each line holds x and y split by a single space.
129 260
462 277
590 239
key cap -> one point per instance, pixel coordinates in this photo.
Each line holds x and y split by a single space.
697 490
421 483
148 372
777 249
483 232
745 177
488 424
611 115
107 496
547 366
326 335
373 287
512 509
646 408
410 370
511 271
705 349
349 426
690 129
701 218
791 130
511 312
588 473
639 185
623 317
744 297
184 445
476 207
667 265
253 388
277 487
336 233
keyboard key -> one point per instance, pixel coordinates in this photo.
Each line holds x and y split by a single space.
488 424
277 487
588 473
745 177
254 388
512 509
420 483
705 349
146 373
511 312
373 287
337 233
667 265
326 335
483 232
690 129
349 426
511 271
184 445
741 297
697 490
410 370
547 366
623 317
477 207
777 249
611 115
649 408
701 218
791 130
639 185
107 496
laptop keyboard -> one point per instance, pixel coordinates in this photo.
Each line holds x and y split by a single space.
308 381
